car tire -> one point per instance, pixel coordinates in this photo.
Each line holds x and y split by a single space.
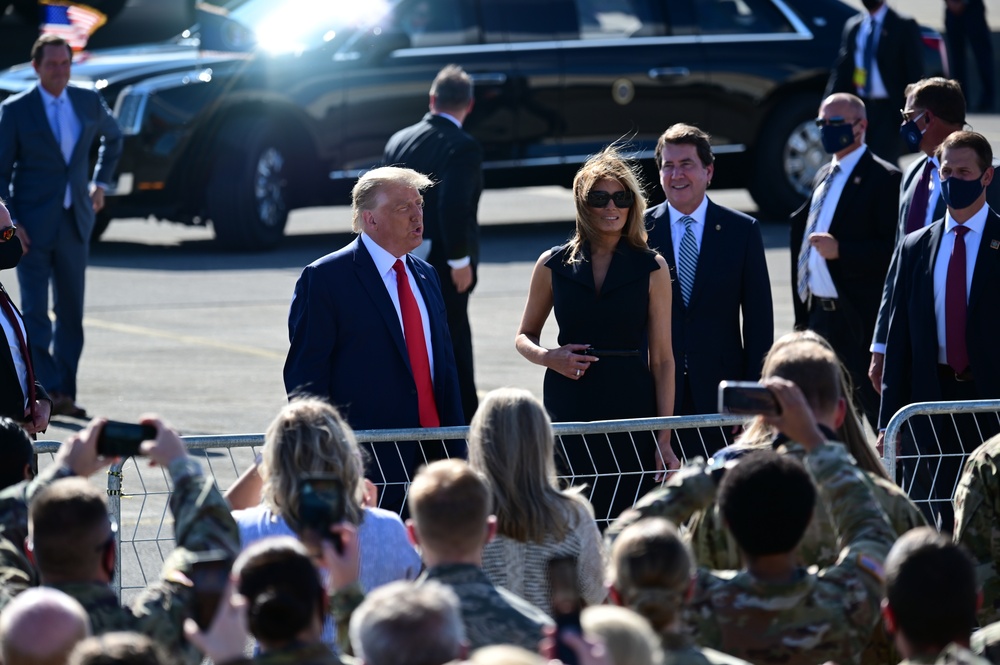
28 9
248 189
101 222
788 155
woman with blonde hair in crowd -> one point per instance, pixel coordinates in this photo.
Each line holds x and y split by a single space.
629 638
309 437
511 446
651 573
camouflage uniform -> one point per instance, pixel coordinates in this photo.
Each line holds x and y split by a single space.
492 615
680 650
977 522
295 654
986 642
202 522
951 655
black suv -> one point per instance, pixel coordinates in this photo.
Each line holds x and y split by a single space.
269 105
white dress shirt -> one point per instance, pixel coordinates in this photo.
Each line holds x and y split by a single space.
876 88
383 263
820 282
975 224
52 109
677 227
20 367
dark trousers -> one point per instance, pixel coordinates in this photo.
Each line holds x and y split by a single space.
847 336
969 29
691 443
457 306
391 465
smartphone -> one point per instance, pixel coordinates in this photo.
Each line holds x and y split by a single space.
123 439
321 504
747 398
209 576
566 604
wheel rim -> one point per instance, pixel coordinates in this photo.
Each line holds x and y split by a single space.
269 187
803 157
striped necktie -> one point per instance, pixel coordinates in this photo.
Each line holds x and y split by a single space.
802 286
687 259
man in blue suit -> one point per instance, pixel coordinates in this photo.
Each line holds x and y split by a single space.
46 134
364 339
716 260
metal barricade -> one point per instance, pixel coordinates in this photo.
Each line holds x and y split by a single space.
930 428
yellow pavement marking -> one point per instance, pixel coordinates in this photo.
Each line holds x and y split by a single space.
185 339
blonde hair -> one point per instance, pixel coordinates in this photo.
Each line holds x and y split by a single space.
651 570
607 164
629 638
511 445
309 436
364 195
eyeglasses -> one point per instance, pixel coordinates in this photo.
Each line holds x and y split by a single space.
8 232
834 121
599 199
909 115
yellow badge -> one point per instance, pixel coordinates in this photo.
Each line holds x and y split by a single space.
860 78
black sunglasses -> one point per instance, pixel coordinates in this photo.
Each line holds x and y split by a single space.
599 199
8 232
834 121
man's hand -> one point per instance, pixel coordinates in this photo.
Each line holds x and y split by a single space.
826 245
97 197
462 278
22 234
166 447
228 635
880 444
875 370
796 421
79 451
343 566
40 421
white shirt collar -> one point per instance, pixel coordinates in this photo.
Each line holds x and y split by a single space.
975 223
850 160
450 117
47 96
383 259
698 215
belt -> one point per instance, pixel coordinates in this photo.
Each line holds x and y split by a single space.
826 304
947 373
611 353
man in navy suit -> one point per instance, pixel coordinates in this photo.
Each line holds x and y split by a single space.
842 240
46 134
369 332
438 147
719 273
943 322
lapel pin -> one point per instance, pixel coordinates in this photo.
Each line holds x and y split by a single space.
857 180
994 244
718 227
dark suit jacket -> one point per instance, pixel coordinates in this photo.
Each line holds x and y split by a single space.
34 189
864 224
731 279
899 55
347 344
911 365
908 186
12 398
438 148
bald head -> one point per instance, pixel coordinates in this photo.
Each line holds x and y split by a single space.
40 627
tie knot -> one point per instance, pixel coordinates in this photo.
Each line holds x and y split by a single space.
399 267
835 169
961 230
687 221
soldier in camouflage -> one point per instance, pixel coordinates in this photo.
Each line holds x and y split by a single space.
930 599
977 522
72 541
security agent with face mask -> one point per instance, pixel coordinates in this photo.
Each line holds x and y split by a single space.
943 322
22 397
842 241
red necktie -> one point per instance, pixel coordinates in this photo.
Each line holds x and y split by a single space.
916 217
956 305
15 323
416 348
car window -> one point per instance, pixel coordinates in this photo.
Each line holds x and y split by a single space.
615 19
727 17
436 22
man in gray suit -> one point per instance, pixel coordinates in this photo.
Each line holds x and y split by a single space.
46 134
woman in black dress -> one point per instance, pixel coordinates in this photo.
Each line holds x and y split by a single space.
612 298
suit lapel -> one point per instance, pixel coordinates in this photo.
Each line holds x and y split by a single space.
985 273
364 268
855 180
710 253
41 116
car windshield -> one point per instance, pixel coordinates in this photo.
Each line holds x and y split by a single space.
280 26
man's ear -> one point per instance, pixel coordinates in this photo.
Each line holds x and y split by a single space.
614 596
411 533
689 594
29 550
988 176
841 412
888 617
367 219
28 472
491 529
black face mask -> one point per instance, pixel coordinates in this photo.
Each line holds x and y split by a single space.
871 5
10 253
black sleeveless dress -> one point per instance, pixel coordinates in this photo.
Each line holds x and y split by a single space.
620 467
